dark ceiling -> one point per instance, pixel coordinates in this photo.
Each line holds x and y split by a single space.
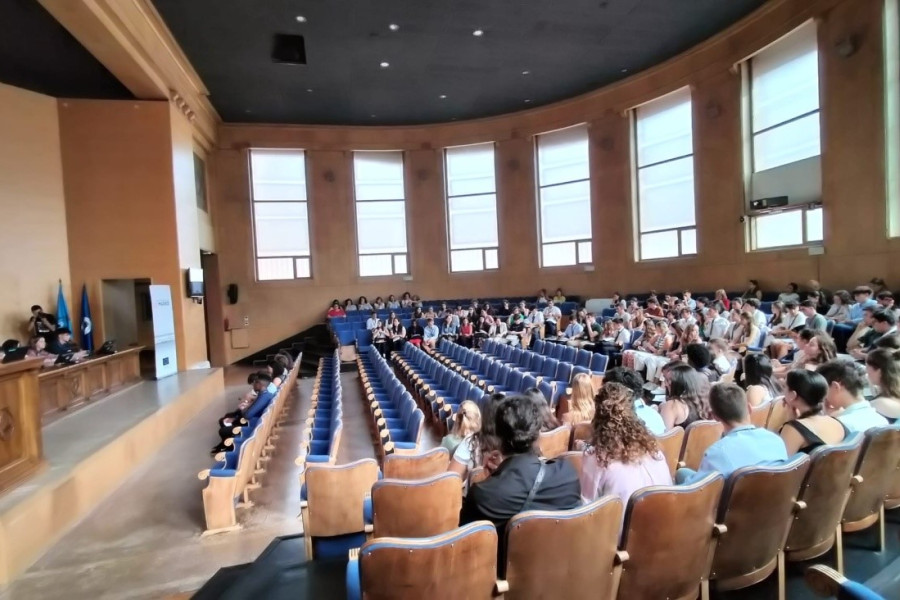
567 47
37 53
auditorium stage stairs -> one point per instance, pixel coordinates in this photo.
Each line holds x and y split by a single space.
315 342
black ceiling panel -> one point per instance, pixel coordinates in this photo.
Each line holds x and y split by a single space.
567 47
37 53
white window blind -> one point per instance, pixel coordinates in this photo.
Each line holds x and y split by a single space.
797 227
784 85
664 153
564 197
471 207
280 214
380 213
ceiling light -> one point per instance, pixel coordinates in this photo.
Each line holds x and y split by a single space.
442 96
309 89
478 33
373 116
393 27
385 64
301 19
527 100
526 72
624 70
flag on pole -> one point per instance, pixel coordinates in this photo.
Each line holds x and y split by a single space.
87 326
62 311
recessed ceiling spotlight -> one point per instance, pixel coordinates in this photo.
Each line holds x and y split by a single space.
478 32
394 27
385 64
372 116
301 19
442 96
309 89
624 70
526 72
527 100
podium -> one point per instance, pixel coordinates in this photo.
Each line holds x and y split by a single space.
21 452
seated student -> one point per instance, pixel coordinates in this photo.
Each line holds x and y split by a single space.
542 298
862 332
780 341
478 447
690 335
515 327
382 340
689 302
392 302
523 481
622 456
348 305
885 300
406 300
534 322
687 397
819 296
397 334
378 304
431 333
363 304
751 307
632 380
753 291
750 333
373 321
791 294
883 324
846 382
721 298
813 349
335 310
839 311
62 343
700 358
573 330
715 326
466 422
653 308
883 369
742 445
736 304
811 427
449 329
721 361
415 332
579 406
276 371
466 333
814 320
760 384
735 332
862 296
620 338
559 297
250 407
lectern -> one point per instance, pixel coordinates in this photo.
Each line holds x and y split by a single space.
20 421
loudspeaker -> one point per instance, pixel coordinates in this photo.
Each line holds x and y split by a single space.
232 293
288 49
764 203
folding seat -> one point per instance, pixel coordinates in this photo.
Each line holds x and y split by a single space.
523 361
660 523
759 415
528 382
413 509
496 377
548 372
539 346
583 358
459 564
671 443
331 506
874 474
556 351
505 354
513 382
635 336
698 436
228 480
598 364
586 536
416 466
363 340
569 354
555 442
752 546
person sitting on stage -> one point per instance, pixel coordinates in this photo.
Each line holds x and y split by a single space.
249 409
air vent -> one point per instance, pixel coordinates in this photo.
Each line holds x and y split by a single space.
289 49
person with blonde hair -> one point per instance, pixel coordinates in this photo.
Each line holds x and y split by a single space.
580 405
466 421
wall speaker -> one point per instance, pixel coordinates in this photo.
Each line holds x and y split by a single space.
232 293
328 176
288 49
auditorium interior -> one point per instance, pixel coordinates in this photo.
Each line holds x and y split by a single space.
211 212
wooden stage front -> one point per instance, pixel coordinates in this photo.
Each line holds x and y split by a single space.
88 453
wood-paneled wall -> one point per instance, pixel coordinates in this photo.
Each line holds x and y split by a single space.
856 245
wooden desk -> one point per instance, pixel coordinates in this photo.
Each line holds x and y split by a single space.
62 388
21 451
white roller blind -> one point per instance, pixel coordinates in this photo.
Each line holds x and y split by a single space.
470 170
665 129
380 212
563 156
278 174
378 175
381 227
471 206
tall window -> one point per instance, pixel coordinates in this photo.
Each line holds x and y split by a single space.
471 207
380 213
664 151
564 197
280 218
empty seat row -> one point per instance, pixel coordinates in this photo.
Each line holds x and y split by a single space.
321 437
236 470
396 419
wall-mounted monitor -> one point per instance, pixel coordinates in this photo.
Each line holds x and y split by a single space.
195 287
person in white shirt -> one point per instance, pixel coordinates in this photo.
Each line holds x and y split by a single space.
431 334
623 314
780 341
372 322
687 318
533 323
846 382
552 315
363 304
378 304
392 302
751 307
688 301
715 326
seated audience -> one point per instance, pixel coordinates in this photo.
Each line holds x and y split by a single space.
886 302
737 304
336 310
363 304
406 301
791 294
573 330
753 291
721 361
415 332
750 332
813 320
721 298
622 456
735 332
466 422
397 334
883 369
348 305
381 339
742 444
861 333
700 358
878 285
480 446
811 427
715 327
559 297
883 323
686 397
430 334
251 407
466 333
846 382
839 311
416 301
392 302
689 302
819 296
542 298
654 309
862 296
633 381
780 340
61 342
449 329
751 307
579 406
760 385
276 371
378 304
373 321
549 420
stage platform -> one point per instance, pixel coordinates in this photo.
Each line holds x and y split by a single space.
88 454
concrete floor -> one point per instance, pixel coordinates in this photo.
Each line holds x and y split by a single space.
144 541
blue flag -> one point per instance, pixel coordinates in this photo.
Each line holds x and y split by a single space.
62 311
87 326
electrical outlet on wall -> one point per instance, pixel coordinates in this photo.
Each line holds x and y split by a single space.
246 321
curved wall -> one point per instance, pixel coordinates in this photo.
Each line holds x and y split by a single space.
856 246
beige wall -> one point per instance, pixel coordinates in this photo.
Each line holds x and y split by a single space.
34 252
856 246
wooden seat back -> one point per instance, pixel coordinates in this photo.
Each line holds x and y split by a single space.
416 509
671 443
824 491
749 551
661 524
458 564
779 414
555 442
335 496
581 432
588 539
873 477
698 436
759 415
477 475
574 458
416 466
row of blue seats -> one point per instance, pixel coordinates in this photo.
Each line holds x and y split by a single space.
441 389
397 419
324 422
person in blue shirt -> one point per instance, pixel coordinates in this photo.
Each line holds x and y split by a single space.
264 390
742 445
431 334
846 382
842 331
573 330
449 329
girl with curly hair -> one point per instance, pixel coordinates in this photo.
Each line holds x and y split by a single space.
623 456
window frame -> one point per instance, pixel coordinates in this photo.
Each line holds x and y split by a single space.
394 256
541 244
253 204
753 220
447 198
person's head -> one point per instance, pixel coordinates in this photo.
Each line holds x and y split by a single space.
702 301
37 343
686 313
348 302
793 287
63 334
392 298
618 322
251 378
698 356
686 294
728 404
791 307
335 303
275 369
618 434
861 293
429 321
808 308
754 284
548 419
868 313
806 391
36 310
820 348
467 419
379 300
746 321
517 423
262 381
883 369
777 308
842 298
718 347
690 387
559 292
616 297
652 302
406 296
883 321
582 401
448 318
891 342
737 303
751 305
373 314
758 369
720 295
713 310
886 299
627 377
846 381
878 282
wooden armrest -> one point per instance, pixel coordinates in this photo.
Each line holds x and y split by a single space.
719 530
823 580
385 434
799 505
680 464
620 557
501 587
305 504
856 480
220 456
236 431
229 442
203 475
300 460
